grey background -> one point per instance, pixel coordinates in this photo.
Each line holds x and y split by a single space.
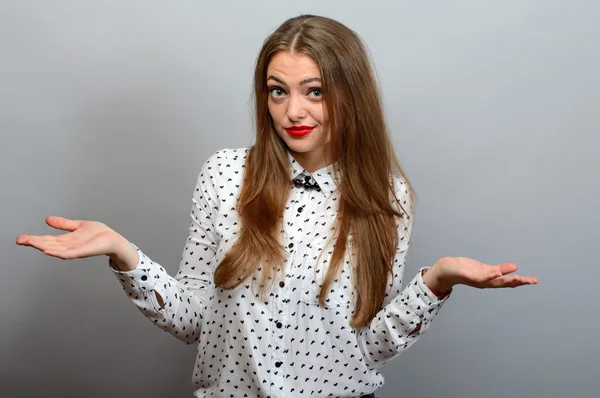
109 108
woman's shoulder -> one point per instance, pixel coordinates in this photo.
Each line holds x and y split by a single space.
225 159
231 154
403 191
401 184
223 166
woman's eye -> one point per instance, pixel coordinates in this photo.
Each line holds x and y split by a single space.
315 93
276 92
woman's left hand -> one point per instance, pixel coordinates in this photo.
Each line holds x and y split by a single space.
450 271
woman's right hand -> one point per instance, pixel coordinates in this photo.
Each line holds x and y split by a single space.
84 239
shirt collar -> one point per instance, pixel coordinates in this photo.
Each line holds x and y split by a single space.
324 176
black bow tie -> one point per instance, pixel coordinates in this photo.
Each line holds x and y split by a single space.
306 184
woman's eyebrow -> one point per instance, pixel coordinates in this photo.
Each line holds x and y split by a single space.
303 82
278 80
310 80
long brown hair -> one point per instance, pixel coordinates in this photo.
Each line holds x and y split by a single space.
360 144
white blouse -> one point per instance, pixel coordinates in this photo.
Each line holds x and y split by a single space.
289 346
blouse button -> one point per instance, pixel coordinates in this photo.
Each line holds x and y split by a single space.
300 209
291 245
281 284
278 364
279 325
144 277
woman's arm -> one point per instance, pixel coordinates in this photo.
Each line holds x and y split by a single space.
176 304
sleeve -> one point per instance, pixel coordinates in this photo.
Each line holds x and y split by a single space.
406 314
187 296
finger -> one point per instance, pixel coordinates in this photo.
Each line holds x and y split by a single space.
38 241
477 271
505 281
524 280
530 280
63 223
23 239
493 272
512 281
44 241
507 268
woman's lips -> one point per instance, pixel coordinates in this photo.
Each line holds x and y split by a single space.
298 131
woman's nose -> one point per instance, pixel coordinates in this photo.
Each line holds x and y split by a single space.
296 109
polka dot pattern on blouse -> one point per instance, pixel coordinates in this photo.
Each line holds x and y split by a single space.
288 345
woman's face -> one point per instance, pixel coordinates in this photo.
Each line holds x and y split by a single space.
296 106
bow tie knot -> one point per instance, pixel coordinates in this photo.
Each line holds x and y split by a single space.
308 183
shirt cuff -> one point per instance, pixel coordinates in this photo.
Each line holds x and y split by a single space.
423 301
141 279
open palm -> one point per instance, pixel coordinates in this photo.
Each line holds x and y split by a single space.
84 239
470 272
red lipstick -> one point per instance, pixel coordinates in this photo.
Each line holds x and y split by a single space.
299 131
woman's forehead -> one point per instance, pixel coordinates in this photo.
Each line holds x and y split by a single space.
294 67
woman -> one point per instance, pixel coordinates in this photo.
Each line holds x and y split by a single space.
290 279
